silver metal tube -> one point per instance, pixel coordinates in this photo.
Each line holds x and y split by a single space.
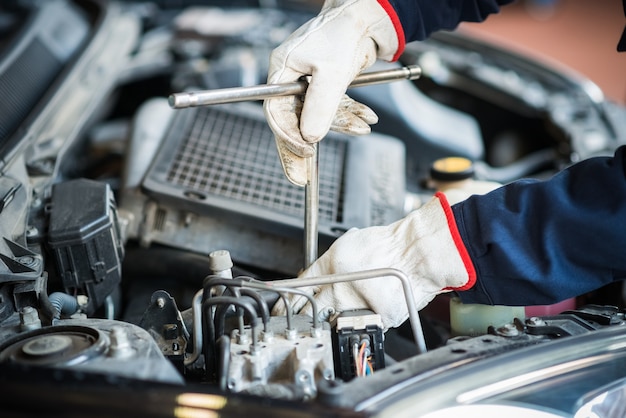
311 209
196 309
266 91
254 284
235 94
414 319
109 307
410 72
288 310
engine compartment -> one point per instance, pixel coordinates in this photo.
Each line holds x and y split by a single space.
144 247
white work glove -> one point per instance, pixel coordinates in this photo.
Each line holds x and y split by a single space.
425 245
345 38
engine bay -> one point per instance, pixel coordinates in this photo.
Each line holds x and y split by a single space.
144 247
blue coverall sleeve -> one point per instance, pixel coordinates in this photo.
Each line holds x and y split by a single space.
420 18
539 242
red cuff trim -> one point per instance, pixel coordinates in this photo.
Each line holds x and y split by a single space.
395 20
460 245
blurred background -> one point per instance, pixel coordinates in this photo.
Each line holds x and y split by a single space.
581 34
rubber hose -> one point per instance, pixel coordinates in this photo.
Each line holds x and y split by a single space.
64 304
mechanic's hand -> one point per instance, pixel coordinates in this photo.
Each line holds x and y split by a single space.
425 245
333 48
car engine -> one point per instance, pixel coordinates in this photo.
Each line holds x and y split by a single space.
143 247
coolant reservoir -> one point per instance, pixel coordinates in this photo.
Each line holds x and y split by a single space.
454 176
473 319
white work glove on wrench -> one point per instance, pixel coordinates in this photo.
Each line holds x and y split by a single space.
425 245
344 39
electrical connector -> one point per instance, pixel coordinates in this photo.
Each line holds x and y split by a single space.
358 344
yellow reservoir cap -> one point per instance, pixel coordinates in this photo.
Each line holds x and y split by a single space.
452 169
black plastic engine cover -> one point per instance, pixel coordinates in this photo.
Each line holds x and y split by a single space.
84 236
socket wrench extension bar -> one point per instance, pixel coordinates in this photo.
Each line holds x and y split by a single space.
265 91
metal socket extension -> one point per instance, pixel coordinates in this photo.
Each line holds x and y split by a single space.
265 91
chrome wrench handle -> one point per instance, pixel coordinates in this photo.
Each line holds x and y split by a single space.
266 91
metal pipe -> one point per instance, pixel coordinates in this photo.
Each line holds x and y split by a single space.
311 208
196 306
288 310
414 319
410 72
266 91
255 284
109 307
246 306
223 351
264 310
